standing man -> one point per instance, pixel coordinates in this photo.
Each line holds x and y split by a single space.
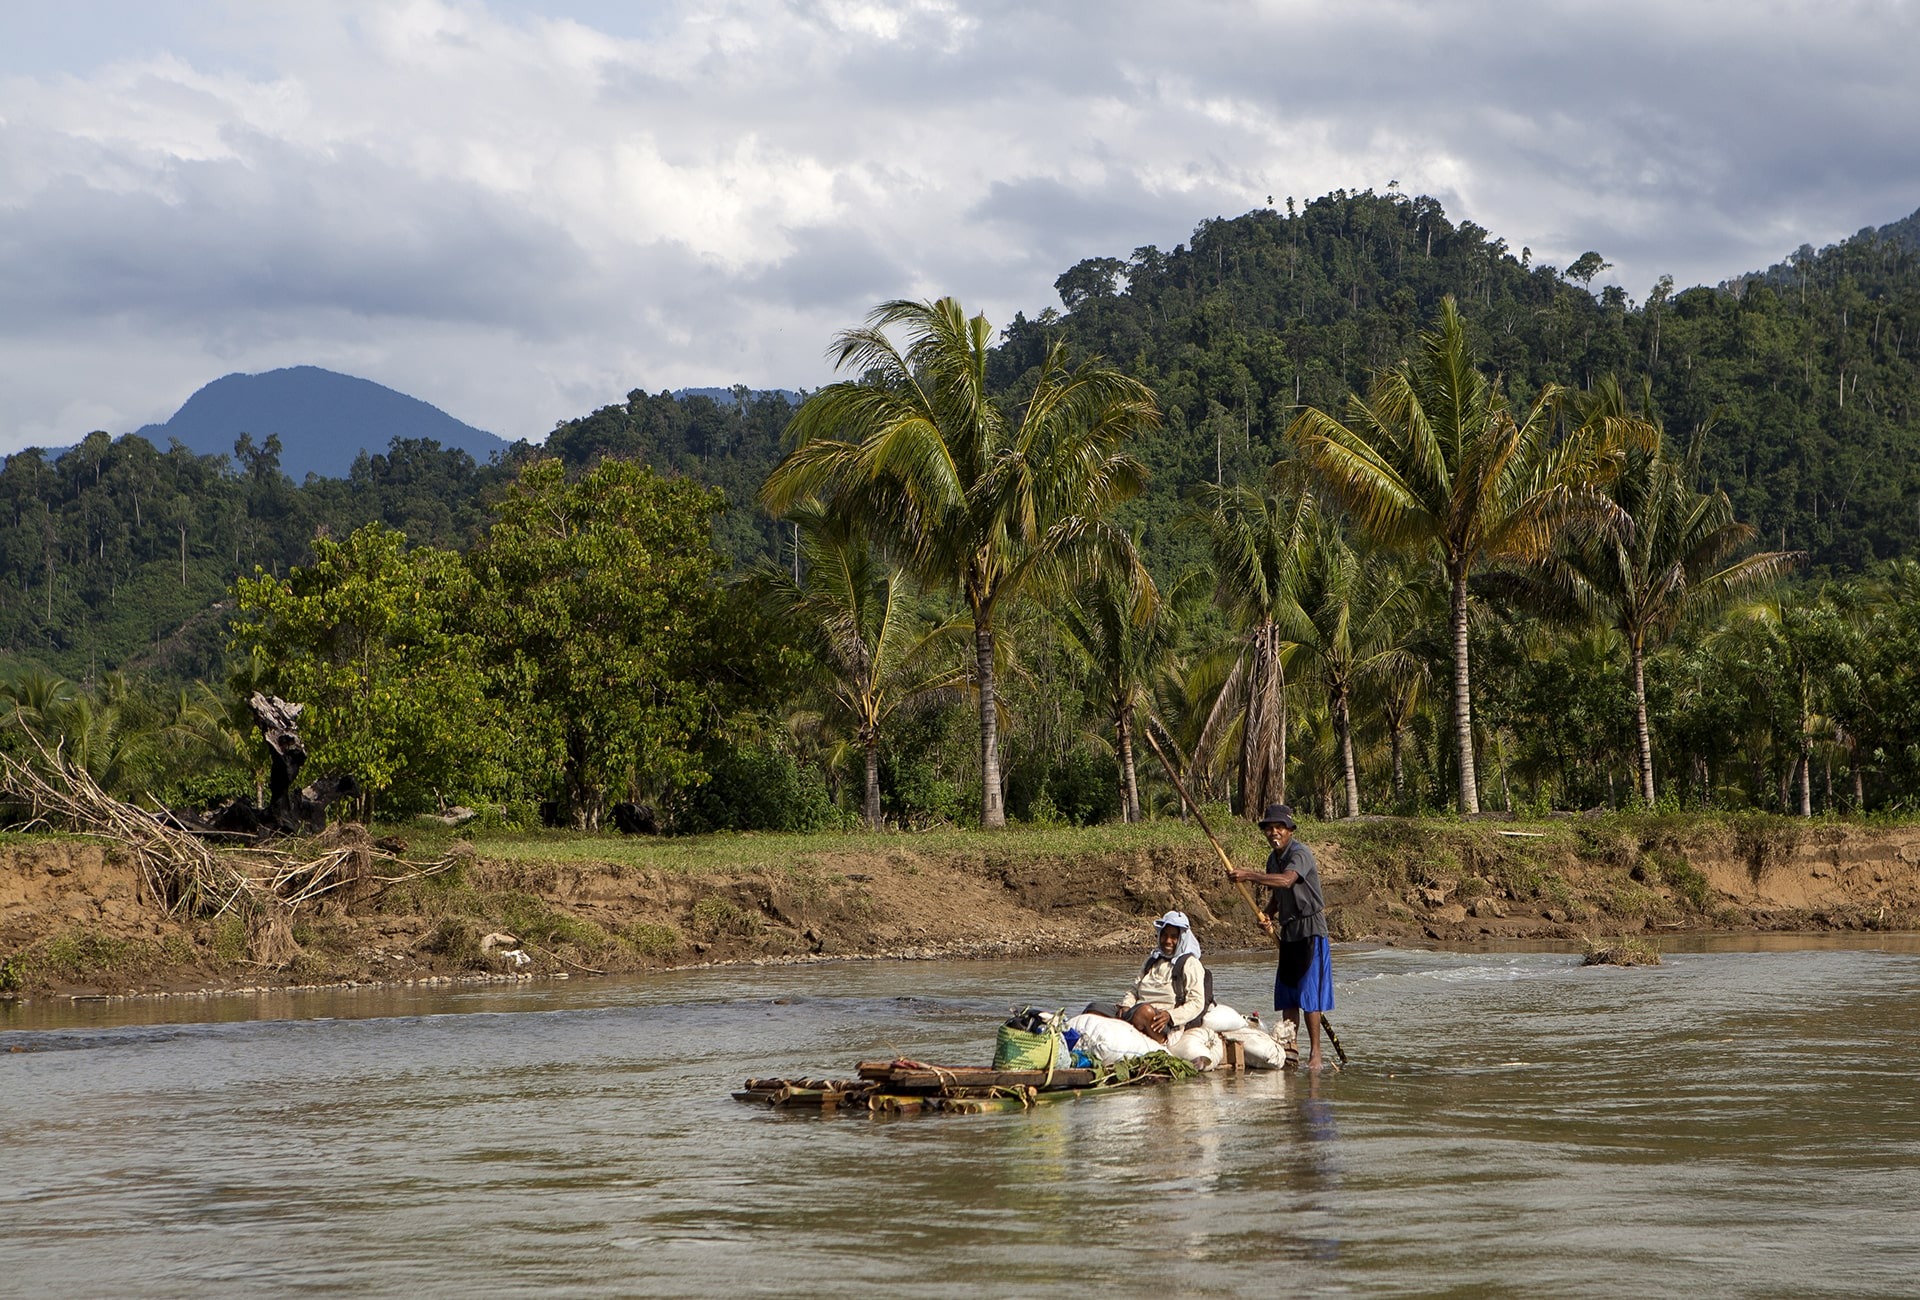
1304 981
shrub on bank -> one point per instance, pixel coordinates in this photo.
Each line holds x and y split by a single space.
752 787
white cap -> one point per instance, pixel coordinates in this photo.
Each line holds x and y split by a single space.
1178 920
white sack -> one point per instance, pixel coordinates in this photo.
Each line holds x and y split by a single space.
1262 1052
1287 1035
1200 1045
1222 1019
1107 1040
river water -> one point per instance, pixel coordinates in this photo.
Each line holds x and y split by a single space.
1742 1120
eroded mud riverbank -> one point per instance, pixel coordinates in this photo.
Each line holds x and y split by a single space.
74 920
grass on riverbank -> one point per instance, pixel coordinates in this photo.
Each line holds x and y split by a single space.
89 956
1396 850
1625 869
748 851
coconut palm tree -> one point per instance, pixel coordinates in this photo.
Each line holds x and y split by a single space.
859 617
1123 634
968 494
33 700
1398 690
1350 618
1434 458
104 731
1672 563
1255 539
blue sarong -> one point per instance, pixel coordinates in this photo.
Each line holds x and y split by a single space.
1304 980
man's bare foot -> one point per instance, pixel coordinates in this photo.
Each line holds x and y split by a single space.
1315 1063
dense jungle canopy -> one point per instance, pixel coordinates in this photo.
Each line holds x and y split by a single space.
1794 390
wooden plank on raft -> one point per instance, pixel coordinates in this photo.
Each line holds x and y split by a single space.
982 1077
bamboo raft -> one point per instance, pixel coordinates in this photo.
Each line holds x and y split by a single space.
900 1087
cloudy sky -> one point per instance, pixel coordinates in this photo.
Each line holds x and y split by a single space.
518 210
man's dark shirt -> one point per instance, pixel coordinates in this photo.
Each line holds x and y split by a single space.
1299 911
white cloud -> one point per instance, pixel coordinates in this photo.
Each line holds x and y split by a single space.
519 211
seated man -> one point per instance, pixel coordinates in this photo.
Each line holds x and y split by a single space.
1173 990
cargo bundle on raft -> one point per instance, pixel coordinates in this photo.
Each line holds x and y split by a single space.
1040 1057
906 1087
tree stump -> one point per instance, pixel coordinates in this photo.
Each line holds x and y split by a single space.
279 723
288 808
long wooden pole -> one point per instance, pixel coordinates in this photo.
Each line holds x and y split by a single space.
1227 861
1218 847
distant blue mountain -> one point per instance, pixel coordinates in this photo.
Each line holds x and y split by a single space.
324 420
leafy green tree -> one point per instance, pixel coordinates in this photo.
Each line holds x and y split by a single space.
1803 631
105 731
971 495
596 598
374 638
1675 561
1435 459
858 615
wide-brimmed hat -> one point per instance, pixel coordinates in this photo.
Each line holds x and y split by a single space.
1277 814
1178 920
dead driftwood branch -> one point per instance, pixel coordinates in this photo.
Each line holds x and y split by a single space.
184 873
179 871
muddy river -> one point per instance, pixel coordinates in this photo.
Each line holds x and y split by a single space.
1744 1119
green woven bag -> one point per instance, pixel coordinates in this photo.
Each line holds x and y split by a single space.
1019 1049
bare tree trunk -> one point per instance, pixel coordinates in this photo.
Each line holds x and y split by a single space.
1396 741
993 807
1277 779
582 802
1129 779
1463 698
1343 724
870 739
1805 766
1263 772
1641 733
1246 758
1859 785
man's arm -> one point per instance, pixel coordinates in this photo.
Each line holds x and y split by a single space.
1272 880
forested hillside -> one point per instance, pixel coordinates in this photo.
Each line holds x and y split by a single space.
1792 389
118 555
1804 377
